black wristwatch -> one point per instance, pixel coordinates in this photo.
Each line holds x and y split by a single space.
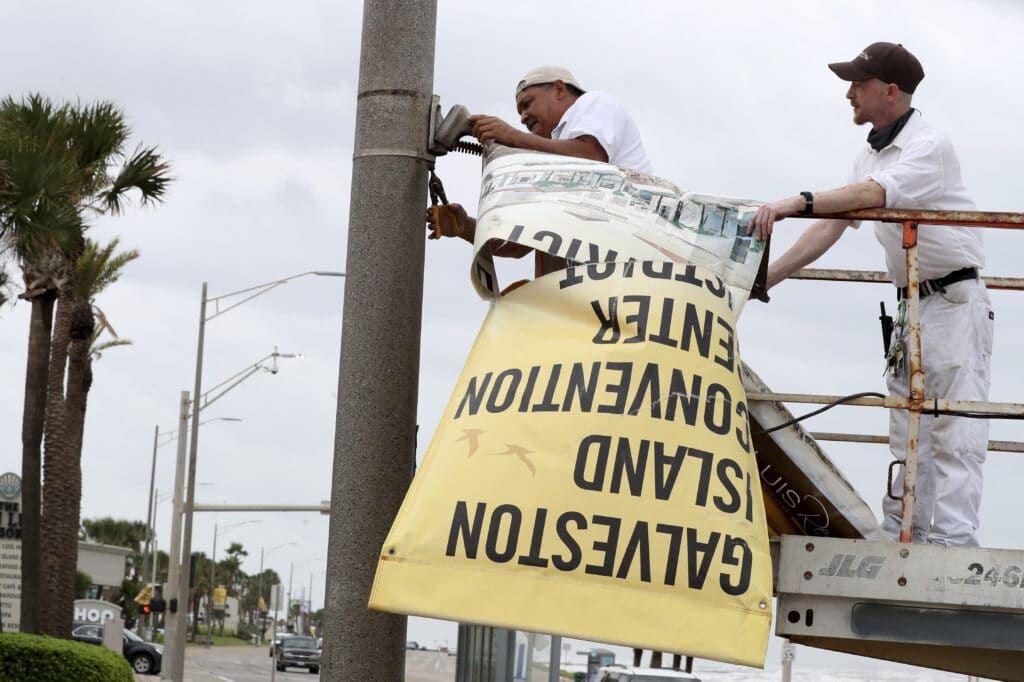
809 205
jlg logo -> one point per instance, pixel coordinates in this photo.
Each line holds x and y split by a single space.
842 566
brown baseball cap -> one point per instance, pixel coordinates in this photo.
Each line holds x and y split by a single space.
888 62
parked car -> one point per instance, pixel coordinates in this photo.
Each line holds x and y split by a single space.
412 645
278 638
298 652
144 657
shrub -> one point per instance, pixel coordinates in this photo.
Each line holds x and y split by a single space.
35 658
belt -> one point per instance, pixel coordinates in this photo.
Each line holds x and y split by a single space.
939 284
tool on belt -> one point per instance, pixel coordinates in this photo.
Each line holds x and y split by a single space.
895 350
886 321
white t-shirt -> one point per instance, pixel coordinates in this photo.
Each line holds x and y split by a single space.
919 170
600 115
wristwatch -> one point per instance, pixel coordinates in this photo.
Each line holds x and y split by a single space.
809 203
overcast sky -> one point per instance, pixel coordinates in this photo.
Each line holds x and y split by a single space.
254 104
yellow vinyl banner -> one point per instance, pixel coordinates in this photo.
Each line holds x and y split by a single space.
592 475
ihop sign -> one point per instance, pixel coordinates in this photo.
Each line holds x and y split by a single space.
96 611
102 613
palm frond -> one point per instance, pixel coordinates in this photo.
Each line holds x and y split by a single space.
41 184
147 172
97 132
5 285
104 323
96 350
97 347
100 266
55 168
35 116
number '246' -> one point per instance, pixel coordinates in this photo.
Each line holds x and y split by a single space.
1010 577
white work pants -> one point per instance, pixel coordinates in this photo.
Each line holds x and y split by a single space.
956 355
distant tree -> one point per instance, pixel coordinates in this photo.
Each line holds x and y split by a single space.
110 531
316 621
83 585
254 588
231 567
200 586
120 533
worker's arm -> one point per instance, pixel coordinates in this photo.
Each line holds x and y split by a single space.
493 128
455 222
867 194
816 240
452 221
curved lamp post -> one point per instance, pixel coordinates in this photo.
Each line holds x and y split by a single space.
175 660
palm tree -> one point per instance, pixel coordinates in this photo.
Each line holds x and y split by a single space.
75 344
232 567
58 165
35 222
200 585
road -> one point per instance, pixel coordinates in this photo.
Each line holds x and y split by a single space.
253 664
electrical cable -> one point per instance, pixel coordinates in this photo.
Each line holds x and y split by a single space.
844 399
468 148
868 394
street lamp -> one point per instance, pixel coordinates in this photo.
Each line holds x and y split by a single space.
213 567
310 598
150 507
181 541
260 589
291 573
176 659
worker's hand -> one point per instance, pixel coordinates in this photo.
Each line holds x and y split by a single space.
451 221
764 220
493 128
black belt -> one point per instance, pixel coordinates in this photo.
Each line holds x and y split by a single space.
940 283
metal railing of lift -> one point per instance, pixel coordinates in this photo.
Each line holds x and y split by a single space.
917 403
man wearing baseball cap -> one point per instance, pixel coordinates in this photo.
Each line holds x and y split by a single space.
560 118
564 119
908 164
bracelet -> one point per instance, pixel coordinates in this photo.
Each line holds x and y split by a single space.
809 203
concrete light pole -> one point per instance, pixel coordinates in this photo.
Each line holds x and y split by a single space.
375 435
173 622
149 504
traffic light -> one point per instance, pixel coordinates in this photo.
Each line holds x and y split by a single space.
157 605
